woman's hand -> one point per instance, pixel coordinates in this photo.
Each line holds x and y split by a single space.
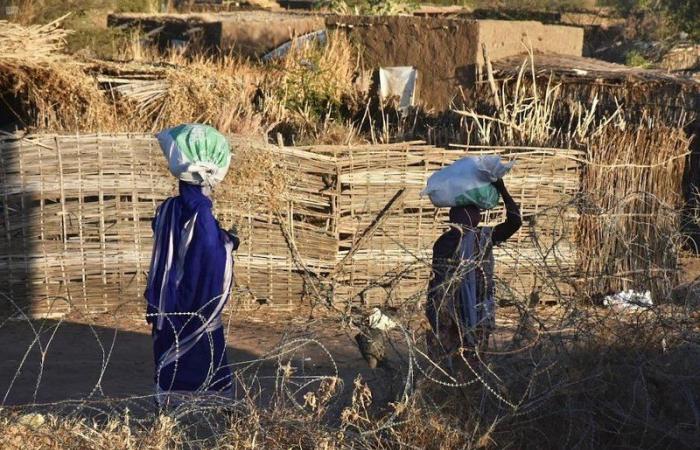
233 236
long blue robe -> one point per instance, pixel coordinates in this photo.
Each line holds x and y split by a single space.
188 285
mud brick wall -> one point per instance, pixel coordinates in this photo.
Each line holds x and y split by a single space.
250 34
448 52
443 50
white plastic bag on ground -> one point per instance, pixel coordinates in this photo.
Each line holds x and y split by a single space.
379 321
467 182
629 300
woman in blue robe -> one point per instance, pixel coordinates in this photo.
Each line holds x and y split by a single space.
188 286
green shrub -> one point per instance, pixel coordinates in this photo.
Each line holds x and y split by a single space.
636 59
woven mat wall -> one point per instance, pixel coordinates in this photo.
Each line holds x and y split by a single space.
76 225
394 265
76 219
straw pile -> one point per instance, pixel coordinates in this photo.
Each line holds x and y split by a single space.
42 88
34 42
202 90
235 96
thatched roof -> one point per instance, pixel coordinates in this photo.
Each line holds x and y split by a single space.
577 68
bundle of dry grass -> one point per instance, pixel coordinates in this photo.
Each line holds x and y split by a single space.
203 90
42 88
31 43
174 89
56 96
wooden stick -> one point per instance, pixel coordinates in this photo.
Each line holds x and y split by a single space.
367 234
489 74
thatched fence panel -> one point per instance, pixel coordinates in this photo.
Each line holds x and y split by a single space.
76 219
395 264
629 230
76 225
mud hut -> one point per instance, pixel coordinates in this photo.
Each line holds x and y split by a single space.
446 52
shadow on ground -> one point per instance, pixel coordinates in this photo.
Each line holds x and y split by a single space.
46 363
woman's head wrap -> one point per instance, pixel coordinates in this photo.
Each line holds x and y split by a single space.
197 154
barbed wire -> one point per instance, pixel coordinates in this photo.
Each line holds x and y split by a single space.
516 373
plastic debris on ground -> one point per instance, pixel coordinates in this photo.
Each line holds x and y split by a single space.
629 300
379 321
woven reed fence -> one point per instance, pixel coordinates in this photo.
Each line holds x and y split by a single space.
76 226
395 263
629 228
77 213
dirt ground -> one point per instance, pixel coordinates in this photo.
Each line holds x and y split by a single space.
98 357
49 361
45 363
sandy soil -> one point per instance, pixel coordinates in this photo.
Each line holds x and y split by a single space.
98 357
75 360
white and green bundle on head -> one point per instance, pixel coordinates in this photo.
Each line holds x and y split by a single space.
197 154
467 182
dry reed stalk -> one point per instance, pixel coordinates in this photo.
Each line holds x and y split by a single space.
648 95
54 431
632 197
22 45
522 116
